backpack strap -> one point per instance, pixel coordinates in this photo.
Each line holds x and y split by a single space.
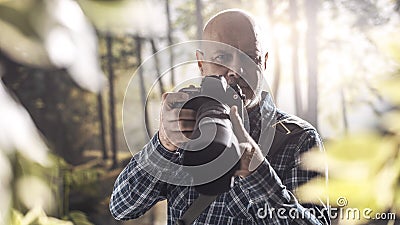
286 128
195 209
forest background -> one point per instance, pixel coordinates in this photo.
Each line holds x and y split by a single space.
65 67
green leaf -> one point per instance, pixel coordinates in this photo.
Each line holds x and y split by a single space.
355 157
356 194
390 89
16 217
391 122
32 216
33 192
19 40
18 19
363 168
44 220
78 218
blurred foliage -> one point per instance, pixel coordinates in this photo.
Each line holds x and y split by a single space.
185 20
390 86
45 190
78 218
67 117
47 48
123 51
46 56
51 34
35 216
136 17
368 13
364 167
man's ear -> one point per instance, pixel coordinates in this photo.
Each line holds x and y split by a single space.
265 60
200 59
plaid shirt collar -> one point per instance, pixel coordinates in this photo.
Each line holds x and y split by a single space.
263 112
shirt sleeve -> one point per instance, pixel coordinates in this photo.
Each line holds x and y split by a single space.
298 174
275 202
139 186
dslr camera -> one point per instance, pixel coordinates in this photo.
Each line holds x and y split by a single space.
213 88
212 136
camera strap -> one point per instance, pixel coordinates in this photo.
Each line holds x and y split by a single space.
196 208
288 128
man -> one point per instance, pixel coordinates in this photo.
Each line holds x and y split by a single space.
263 186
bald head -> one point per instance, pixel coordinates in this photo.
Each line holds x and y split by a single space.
236 28
239 58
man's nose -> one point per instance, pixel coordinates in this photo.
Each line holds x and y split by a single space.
232 76
235 70
235 73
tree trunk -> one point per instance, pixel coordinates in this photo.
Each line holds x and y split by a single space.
277 67
397 6
157 65
113 131
295 57
143 98
344 111
142 84
277 72
170 42
199 18
100 109
311 8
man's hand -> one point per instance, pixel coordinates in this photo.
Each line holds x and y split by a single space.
251 154
176 124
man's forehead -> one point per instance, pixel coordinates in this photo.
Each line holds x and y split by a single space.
211 48
234 28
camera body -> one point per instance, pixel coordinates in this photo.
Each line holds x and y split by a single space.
212 142
216 88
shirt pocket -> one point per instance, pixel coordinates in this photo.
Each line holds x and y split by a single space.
178 201
237 203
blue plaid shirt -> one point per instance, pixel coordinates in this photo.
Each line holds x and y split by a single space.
264 197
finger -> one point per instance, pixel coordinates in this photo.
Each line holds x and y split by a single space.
237 124
176 138
177 96
179 114
182 125
172 98
256 160
177 127
166 140
187 114
242 173
187 134
164 95
245 148
186 125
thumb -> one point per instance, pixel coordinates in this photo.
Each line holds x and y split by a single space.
237 124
